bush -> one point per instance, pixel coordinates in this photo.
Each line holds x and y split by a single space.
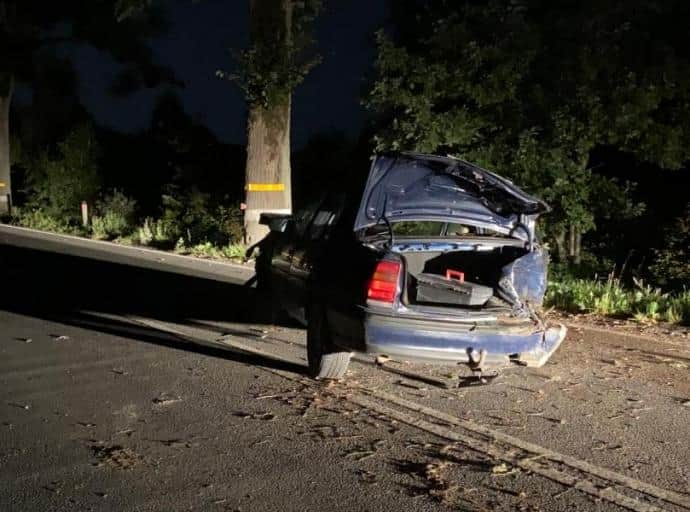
644 303
231 224
115 216
193 217
236 251
672 265
589 266
678 309
582 295
57 184
155 232
41 220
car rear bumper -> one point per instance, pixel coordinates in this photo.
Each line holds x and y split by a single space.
453 343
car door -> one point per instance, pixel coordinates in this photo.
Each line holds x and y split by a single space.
344 269
281 246
309 248
286 283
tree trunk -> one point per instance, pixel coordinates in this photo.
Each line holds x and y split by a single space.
6 83
576 231
268 180
577 250
268 166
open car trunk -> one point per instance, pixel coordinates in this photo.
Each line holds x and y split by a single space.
485 256
475 276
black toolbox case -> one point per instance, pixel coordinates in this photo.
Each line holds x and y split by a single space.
441 290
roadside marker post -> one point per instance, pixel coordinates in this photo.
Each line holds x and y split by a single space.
84 213
5 199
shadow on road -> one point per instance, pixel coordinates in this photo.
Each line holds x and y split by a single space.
81 292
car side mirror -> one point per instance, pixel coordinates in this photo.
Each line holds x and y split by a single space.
277 222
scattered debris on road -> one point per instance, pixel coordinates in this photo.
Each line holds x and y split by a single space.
266 416
366 476
165 399
54 487
117 456
500 469
382 359
26 407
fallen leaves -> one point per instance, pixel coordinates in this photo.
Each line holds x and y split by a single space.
174 443
164 399
500 469
54 487
366 476
361 453
265 416
117 456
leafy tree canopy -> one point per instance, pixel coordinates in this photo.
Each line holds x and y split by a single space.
530 87
120 28
281 51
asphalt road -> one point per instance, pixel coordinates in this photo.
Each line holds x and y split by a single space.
124 388
140 257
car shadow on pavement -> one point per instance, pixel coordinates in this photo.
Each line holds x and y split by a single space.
146 334
86 293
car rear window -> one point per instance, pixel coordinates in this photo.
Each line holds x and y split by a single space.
418 228
431 229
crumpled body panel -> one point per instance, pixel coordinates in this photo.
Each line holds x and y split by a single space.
523 281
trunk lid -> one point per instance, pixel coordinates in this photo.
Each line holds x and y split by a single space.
417 187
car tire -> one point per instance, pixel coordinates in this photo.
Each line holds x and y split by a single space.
326 361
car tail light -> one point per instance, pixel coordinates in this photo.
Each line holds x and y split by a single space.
383 285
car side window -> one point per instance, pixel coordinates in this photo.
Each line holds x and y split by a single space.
304 217
326 217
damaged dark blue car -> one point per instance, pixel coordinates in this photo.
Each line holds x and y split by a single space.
433 259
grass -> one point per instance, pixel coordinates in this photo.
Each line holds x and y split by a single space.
156 233
109 226
39 219
153 232
208 250
643 303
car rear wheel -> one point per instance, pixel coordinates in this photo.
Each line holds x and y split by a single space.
326 361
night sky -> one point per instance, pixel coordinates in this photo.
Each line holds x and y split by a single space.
198 43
